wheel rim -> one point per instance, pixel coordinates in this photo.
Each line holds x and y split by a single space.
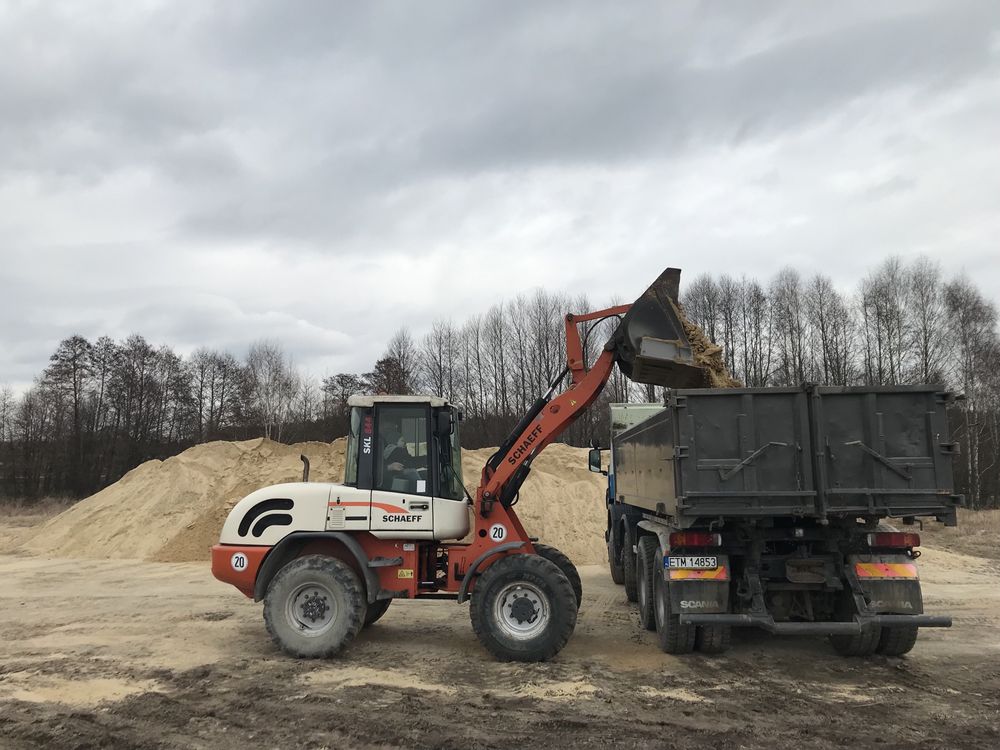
521 611
311 609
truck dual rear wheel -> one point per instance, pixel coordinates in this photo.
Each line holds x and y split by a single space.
646 569
674 637
897 640
565 565
314 606
629 566
523 608
860 644
713 639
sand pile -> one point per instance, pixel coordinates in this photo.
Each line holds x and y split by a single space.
173 510
562 501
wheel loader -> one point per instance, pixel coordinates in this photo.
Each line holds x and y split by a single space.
329 559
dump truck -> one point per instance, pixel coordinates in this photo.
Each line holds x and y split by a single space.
768 508
328 559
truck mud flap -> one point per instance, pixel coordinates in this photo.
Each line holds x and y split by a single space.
889 583
699 596
816 628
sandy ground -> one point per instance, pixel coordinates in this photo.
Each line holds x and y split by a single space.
108 654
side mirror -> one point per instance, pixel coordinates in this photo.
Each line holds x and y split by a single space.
442 424
594 459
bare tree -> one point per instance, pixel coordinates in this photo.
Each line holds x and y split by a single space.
701 300
439 355
68 372
831 333
883 301
404 352
789 314
973 322
926 319
756 341
273 385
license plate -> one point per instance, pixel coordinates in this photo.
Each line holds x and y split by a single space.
691 562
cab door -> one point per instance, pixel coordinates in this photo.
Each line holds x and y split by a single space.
401 500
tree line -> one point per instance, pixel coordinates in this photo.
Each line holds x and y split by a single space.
100 408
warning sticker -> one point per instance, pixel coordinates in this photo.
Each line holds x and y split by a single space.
498 532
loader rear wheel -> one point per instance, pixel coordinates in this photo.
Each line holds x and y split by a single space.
646 569
674 637
523 608
565 565
897 640
314 606
615 559
629 566
860 644
375 611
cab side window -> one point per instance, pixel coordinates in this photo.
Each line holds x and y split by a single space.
402 459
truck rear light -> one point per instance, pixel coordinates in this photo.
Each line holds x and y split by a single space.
695 539
894 539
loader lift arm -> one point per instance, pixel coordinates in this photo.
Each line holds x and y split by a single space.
649 345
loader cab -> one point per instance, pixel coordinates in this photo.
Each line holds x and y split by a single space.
406 451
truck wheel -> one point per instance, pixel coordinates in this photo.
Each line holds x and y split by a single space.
628 566
897 640
614 559
861 644
375 611
646 570
674 637
713 639
314 606
523 608
565 565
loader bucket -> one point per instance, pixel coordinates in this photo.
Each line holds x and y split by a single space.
650 342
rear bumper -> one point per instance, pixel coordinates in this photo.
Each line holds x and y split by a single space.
818 628
238 564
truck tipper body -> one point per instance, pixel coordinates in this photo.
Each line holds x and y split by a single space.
768 507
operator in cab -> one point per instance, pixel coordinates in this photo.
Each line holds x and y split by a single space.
396 458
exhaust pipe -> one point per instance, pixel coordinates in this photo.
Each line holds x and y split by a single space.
305 467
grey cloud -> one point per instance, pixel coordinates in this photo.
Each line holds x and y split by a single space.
346 135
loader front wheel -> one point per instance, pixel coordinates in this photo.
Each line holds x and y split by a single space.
314 607
566 566
523 608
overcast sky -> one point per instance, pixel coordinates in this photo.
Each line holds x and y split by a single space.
319 173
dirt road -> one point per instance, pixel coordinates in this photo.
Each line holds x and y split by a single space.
117 654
